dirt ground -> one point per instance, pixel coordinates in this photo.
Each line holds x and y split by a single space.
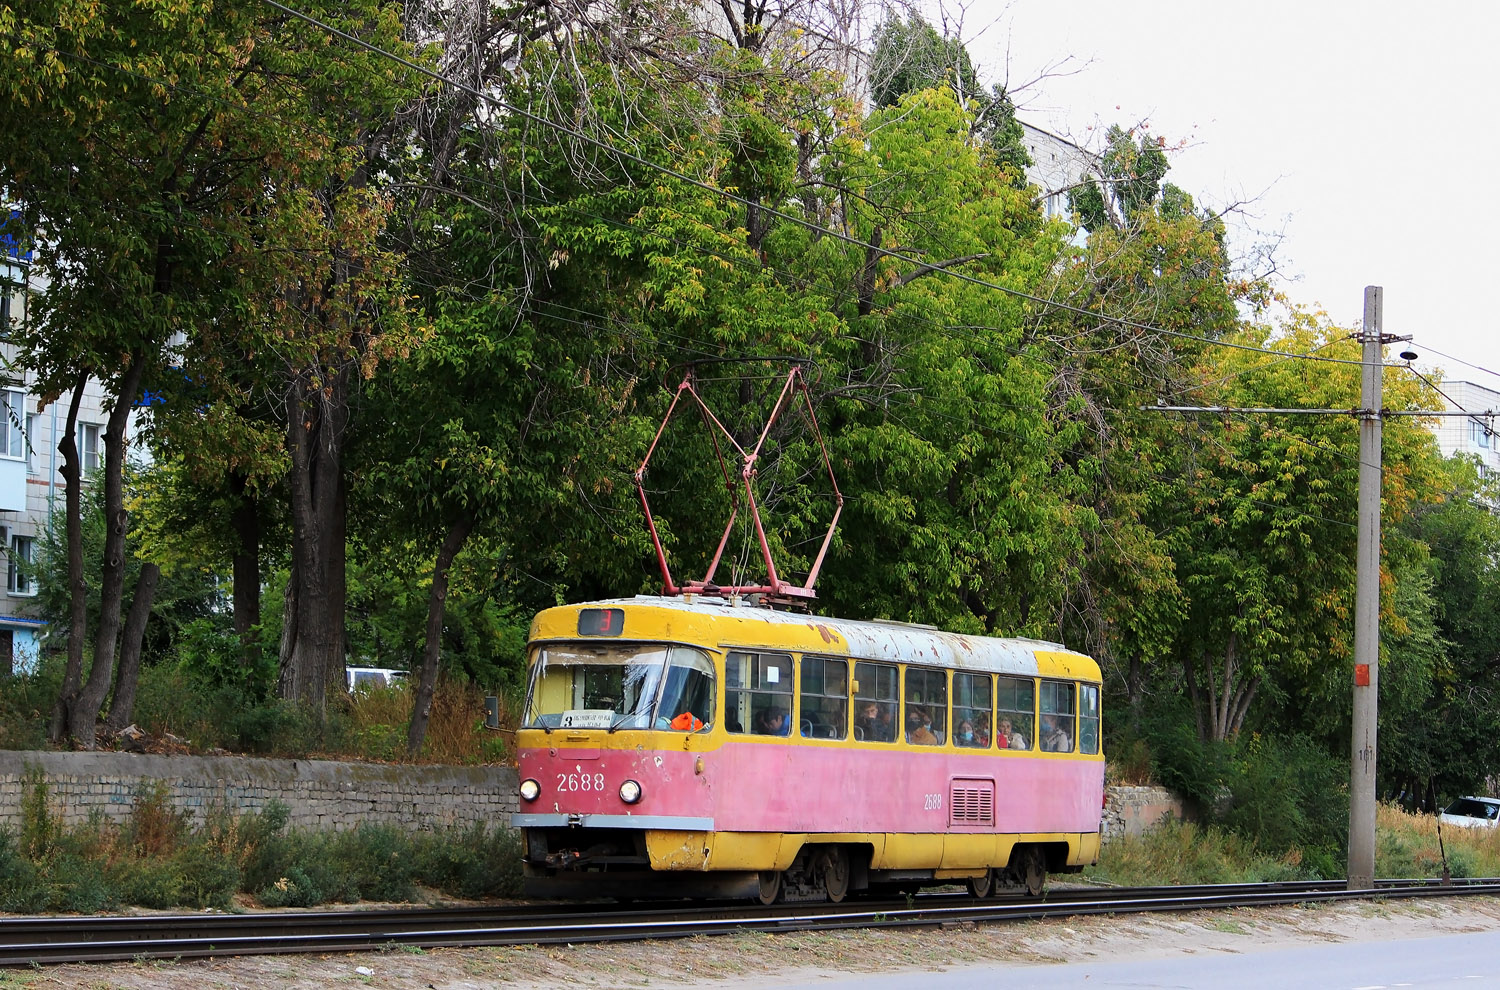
741 961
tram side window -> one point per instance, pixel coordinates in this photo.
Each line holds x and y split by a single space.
758 693
876 688
926 706
1057 717
971 710
1088 718
1015 709
825 698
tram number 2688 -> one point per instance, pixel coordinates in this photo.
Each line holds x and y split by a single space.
580 782
932 802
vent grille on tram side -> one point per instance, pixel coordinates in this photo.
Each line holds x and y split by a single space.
972 802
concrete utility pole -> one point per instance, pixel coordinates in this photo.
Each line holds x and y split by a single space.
1366 606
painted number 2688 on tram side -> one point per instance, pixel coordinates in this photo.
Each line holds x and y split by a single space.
705 747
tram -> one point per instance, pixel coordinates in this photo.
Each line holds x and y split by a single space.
710 746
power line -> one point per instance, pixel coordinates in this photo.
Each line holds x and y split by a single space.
767 210
1467 364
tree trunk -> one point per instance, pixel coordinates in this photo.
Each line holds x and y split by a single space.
122 703
313 655
288 635
1220 710
246 589
78 589
1195 696
84 715
422 706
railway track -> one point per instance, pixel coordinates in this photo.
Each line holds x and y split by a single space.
46 941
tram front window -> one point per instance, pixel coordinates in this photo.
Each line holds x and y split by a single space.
619 686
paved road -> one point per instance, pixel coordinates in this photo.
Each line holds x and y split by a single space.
1438 963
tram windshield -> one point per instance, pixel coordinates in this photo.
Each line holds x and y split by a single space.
620 686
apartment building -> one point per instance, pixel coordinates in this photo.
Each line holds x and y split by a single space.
1474 435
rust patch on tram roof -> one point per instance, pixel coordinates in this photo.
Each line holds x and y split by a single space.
823 631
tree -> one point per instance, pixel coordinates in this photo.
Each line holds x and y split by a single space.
1130 181
126 244
1264 535
910 56
1163 293
1439 728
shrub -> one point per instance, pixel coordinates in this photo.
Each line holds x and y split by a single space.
154 826
1291 794
274 726
377 861
206 877
39 826
26 704
1286 795
471 863
296 889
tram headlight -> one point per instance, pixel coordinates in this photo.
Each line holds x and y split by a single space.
630 792
530 790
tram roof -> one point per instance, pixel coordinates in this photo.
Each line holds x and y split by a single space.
738 624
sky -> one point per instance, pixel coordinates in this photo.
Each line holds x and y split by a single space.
1360 137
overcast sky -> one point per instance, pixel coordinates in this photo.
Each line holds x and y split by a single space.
1365 133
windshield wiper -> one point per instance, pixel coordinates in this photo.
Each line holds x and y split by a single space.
619 722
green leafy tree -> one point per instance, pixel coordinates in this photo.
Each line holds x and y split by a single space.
1438 728
910 56
1129 182
128 245
1264 540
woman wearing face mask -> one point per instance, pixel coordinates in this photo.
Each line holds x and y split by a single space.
965 734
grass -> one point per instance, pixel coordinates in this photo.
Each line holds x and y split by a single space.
1185 853
456 734
1406 846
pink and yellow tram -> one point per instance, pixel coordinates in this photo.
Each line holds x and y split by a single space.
700 746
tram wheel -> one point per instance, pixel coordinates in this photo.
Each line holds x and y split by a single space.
982 886
770 886
1034 872
836 873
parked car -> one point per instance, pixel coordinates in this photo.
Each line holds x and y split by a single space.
369 678
1472 812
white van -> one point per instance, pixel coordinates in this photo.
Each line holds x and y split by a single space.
369 678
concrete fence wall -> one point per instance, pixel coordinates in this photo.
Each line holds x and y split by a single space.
320 794
1137 810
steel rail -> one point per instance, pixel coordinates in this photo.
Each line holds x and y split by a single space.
47 941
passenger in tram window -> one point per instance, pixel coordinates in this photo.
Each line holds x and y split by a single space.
964 736
982 732
917 731
887 729
1009 738
1054 737
772 722
867 721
